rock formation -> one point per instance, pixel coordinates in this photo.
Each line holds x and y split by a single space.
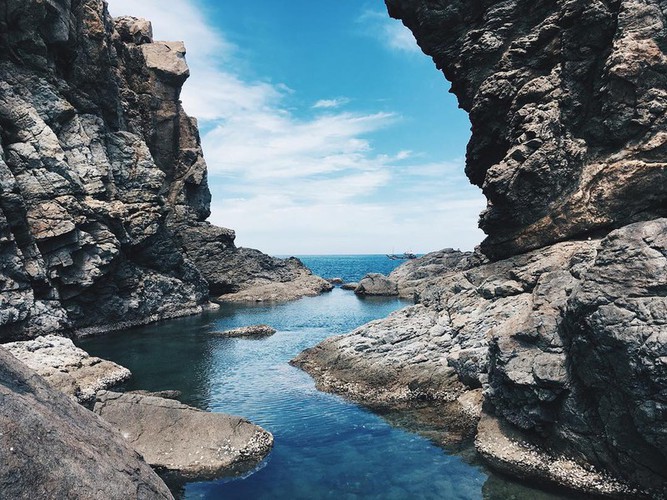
567 101
182 440
51 447
103 186
248 331
376 284
565 328
67 368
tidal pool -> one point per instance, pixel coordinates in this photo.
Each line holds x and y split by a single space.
325 447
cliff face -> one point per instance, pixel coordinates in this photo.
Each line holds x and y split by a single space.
103 188
568 106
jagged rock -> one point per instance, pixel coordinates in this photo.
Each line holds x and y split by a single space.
67 368
376 284
182 440
248 331
567 101
103 184
349 286
52 447
247 275
567 343
415 274
335 281
168 394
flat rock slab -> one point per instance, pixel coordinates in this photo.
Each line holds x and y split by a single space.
67 368
248 331
52 447
185 441
506 449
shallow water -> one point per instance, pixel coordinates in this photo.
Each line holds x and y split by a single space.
325 447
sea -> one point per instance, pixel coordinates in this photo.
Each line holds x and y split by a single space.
325 447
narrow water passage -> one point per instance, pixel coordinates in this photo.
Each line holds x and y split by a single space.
325 447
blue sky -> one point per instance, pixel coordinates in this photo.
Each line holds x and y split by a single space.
325 128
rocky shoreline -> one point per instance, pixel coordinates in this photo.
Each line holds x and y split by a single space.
559 319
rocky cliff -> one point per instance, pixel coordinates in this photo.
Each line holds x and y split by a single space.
103 186
567 101
564 331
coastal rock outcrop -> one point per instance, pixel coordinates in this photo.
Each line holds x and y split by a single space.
568 108
67 368
182 440
376 284
103 184
565 329
248 331
566 342
52 447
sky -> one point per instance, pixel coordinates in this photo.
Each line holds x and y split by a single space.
325 128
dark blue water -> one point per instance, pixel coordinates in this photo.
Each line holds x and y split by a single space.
325 447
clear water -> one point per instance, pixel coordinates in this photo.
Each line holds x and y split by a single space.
325 447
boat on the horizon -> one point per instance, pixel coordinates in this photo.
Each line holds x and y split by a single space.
404 256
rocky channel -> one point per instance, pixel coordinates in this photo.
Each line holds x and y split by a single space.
560 318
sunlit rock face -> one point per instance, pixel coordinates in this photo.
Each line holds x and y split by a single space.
567 102
103 185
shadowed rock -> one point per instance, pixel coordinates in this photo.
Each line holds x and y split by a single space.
182 440
376 284
52 447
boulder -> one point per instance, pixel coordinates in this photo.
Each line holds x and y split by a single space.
67 368
349 286
184 441
248 331
52 447
376 284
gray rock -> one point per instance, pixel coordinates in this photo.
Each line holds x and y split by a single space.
248 331
568 106
51 447
103 183
349 286
376 284
67 368
182 440
566 342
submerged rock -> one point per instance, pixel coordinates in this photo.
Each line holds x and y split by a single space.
51 447
182 440
248 331
67 368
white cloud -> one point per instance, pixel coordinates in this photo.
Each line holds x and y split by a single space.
389 31
288 182
331 103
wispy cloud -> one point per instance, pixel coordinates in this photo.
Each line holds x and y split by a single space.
389 31
331 103
308 179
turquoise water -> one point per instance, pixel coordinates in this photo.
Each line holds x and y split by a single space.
325 447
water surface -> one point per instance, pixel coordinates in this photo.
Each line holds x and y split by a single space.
325 447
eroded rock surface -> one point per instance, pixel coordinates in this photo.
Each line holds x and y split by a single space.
248 331
567 101
182 440
67 368
376 284
52 447
103 185
566 342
